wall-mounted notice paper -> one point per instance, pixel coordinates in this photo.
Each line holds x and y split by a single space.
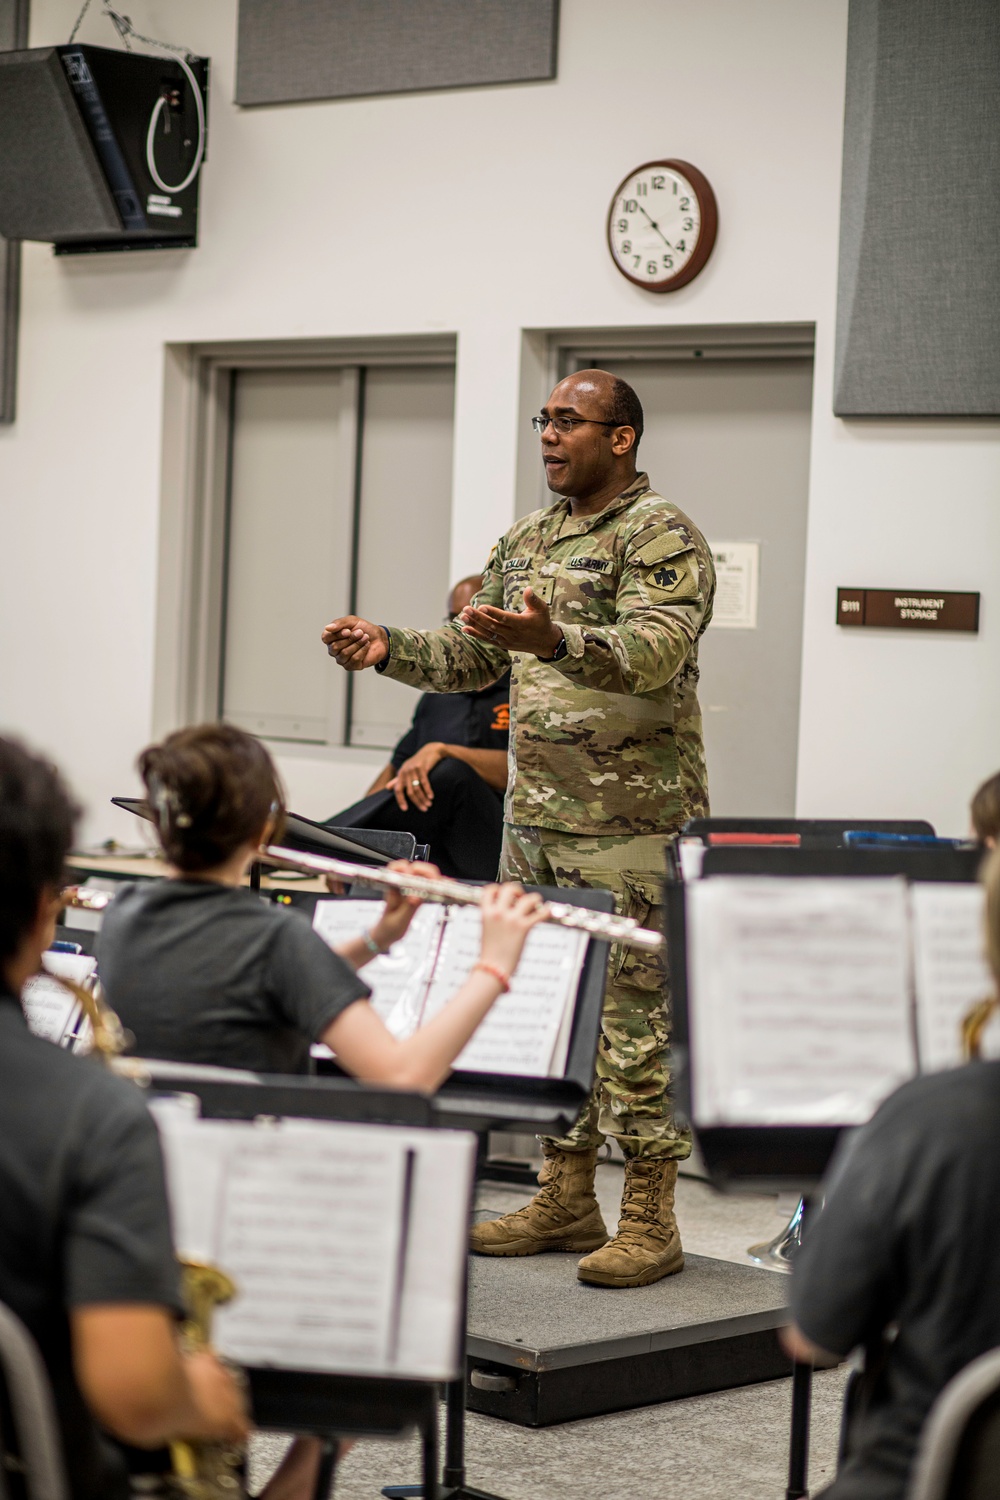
800 999
737 575
950 969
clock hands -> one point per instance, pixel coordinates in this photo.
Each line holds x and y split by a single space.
656 226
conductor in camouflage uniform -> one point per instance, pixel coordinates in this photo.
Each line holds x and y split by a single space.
597 604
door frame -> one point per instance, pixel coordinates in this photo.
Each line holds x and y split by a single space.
194 476
547 355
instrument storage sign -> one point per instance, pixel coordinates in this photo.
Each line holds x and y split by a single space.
737 572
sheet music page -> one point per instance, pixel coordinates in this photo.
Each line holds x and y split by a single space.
308 1219
950 969
50 1008
430 1333
692 857
519 1034
399 978
800 998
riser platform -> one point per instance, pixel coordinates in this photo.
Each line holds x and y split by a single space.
563 1350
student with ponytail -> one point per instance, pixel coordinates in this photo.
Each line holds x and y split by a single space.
201 970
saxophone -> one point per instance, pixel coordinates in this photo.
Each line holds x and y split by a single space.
204 1471
973 1026
200 1470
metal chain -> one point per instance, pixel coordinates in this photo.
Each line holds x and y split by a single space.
79 20
125 29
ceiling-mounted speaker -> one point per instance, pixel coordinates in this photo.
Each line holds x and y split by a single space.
101 150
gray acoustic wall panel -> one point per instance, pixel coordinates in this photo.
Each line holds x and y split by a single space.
334 49
918 311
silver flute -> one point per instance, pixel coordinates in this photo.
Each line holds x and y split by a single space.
598 924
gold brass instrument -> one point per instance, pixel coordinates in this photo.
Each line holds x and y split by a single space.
109 1037
597 923
202 1470
974 1024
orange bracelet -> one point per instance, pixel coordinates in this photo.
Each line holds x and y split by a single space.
495 971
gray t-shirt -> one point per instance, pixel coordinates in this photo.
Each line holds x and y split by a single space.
907 1241
83 1218
204 973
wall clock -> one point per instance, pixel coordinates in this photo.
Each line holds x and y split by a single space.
662 224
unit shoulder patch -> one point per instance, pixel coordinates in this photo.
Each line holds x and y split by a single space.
675 580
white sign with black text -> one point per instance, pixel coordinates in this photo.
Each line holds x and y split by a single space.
737 575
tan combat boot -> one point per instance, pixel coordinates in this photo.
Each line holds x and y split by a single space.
563 1216
648 1243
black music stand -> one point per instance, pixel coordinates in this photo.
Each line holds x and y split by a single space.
783 1158
328 1406
493 1101
812 833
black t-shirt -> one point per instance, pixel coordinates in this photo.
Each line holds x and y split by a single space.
83 1217
479 721
908 1236
205 973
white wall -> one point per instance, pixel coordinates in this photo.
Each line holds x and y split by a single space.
482 212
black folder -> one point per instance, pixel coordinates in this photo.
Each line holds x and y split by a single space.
366 846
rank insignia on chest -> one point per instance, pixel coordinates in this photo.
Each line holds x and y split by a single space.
665 577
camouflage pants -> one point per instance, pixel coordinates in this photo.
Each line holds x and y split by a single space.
630 1099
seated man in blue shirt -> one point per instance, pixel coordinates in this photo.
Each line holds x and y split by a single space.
447 776
904 1260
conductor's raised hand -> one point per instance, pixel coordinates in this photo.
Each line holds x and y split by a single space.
355 643
509 913
531 630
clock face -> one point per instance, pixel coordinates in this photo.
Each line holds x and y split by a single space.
661 225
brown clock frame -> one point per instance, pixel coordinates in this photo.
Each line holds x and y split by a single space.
709 225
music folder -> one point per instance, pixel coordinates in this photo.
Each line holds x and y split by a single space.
808 985
300 833
340 1215
545 1094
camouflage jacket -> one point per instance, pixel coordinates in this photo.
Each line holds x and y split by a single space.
607 740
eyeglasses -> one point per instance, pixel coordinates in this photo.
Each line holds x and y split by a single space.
566 424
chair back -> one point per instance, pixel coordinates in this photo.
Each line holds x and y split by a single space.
959 1453
31 1457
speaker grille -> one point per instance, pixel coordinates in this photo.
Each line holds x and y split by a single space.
51 184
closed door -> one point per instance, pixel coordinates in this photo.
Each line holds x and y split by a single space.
728 441
339 497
